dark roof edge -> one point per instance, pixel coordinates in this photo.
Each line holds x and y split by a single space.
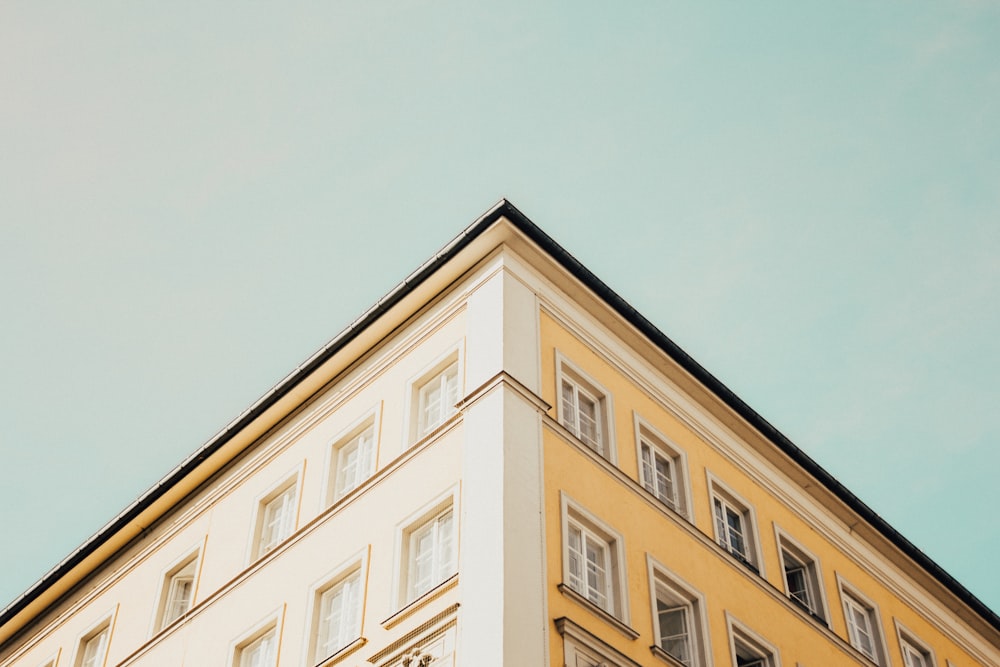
685 361
504 209
272 396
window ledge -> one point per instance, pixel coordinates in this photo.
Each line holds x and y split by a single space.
342 653
617 623
419 602
665 657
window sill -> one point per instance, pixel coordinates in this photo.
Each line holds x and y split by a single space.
418 603
665 657
609 618
342 653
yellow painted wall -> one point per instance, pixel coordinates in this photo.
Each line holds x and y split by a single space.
726 585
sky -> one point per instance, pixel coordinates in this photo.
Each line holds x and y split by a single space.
194 197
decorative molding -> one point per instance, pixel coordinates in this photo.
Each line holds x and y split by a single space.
434 626
612 620
571 630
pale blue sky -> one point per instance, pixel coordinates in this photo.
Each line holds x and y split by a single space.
195 196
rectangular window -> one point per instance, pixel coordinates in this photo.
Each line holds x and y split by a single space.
859 624
260 652
276 520
863 627
801 576
588 566
735 528
915 652
584 408
93 649
593 560
662 467
339 621
679 623
178 593
748 648
436 399
352 461
431 554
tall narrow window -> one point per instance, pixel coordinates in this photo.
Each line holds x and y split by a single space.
859 624
431 554
679 622
658 475
863 628
339 621
584 409
178 593
581 415
662 467
261 652
801 575
915 652
352 461
279 517
593 561
589 561
93 648
734 525
748 648
436 399
275 519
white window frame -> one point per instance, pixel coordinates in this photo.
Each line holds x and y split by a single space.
744 640
732 502
52 660
790 549
102 627
446 364
575 517
334 487
446 565
910 643
288 488
353 633
569 374
853 600
666 586
581 648
647 438
188 566
272 624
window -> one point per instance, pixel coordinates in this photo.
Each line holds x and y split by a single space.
352 460
275 519
426 548
662 467
436 399
259 652
679 622
801 576
584 409
584 649
862 620
593 560
734 525
748 648
93 648
432 554
339 616
915 652
177 594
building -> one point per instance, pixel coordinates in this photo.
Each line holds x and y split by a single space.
500 463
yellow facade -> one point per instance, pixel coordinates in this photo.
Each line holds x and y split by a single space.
614 495
522 521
